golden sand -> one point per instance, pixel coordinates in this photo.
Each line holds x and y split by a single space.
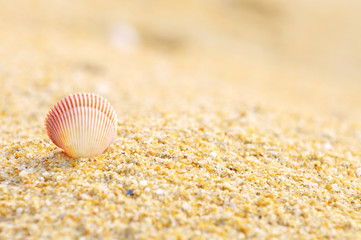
225 129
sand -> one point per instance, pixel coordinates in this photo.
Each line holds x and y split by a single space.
228 128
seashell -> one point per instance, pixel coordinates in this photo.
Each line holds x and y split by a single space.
82 124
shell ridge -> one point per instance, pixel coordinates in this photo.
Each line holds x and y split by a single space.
99 137
50 129
114 123
58 125
55 130
82 120
71 117
111 134
60 115
90 124
65 120
105 121
85 120
102 122
94 119
107 131
98 130
104 105
76 116
69 106
110 130
72 126
88 120
106 124
91 119
97 119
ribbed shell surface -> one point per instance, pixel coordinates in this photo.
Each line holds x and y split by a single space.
82 124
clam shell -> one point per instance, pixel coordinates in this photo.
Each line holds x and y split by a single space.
82 124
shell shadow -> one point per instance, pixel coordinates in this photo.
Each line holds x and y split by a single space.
57 159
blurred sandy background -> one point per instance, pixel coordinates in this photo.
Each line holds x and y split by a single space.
305 54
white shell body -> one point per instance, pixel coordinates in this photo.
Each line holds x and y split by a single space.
82 124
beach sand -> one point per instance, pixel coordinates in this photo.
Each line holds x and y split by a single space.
236 120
